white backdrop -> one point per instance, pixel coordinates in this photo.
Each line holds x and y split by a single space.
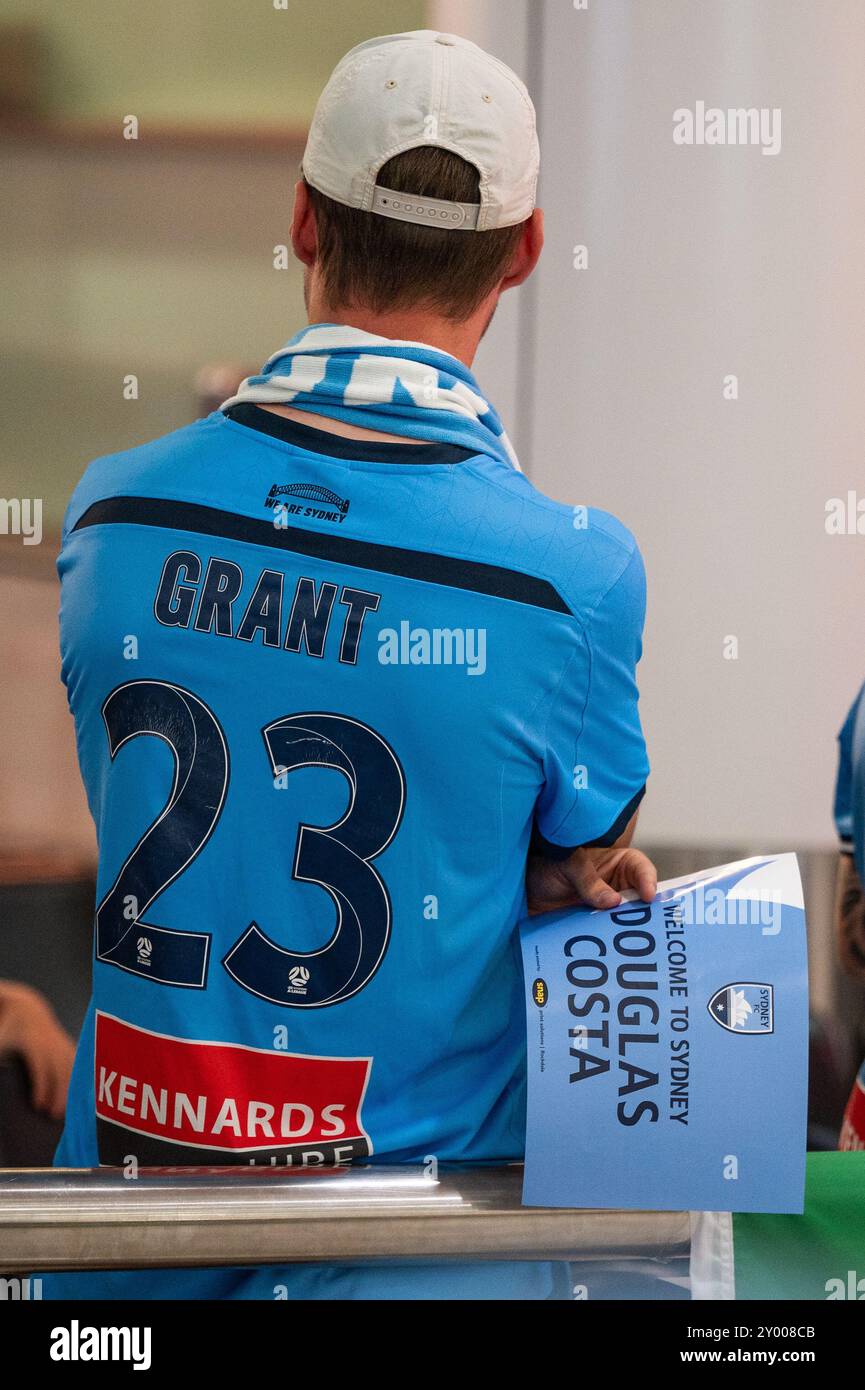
704 261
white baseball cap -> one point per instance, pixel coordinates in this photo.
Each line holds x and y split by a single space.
402 91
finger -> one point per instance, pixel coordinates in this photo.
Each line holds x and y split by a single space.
602 896
642 875
590 888
547 901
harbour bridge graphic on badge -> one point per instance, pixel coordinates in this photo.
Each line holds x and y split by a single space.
744 1007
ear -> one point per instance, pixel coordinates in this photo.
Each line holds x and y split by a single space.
528 249
304 238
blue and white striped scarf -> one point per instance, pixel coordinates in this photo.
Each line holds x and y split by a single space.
382 384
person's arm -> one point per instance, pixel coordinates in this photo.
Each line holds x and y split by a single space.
595 877
29 1027
595 763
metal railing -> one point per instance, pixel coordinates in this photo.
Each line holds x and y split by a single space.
65 1219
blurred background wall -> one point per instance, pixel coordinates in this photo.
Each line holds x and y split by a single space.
705 262
152 258
146 258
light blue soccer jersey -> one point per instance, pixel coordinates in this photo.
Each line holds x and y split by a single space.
324 692
850 786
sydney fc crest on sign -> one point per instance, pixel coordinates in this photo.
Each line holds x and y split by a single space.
744 1008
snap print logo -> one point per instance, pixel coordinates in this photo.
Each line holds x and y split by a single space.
298 979
333 509
744 1008
540 993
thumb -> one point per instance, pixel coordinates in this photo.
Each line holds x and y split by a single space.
587 883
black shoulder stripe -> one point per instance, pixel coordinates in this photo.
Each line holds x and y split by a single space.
343 550
620 824
549 850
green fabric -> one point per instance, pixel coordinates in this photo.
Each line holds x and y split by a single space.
801 1256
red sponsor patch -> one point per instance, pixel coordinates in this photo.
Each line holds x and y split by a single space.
225 1097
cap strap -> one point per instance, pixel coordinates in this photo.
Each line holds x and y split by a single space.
432 212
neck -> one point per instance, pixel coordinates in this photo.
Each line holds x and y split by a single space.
459 338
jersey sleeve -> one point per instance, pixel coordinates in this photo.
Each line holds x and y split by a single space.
850 774
595 763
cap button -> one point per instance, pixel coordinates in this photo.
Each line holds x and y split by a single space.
445 39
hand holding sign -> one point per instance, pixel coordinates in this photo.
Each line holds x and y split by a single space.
667 1046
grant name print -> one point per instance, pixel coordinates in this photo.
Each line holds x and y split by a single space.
668 1047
